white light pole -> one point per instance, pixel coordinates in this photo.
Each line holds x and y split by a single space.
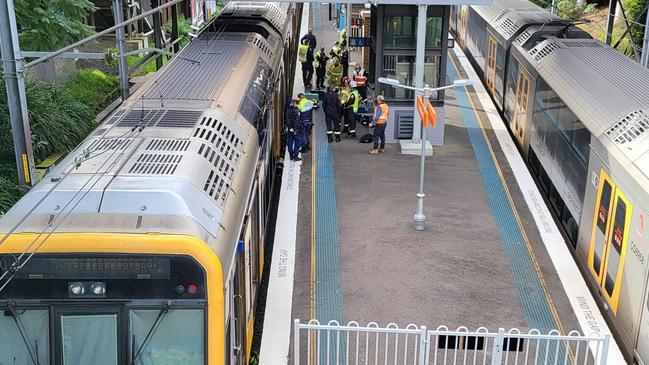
419 219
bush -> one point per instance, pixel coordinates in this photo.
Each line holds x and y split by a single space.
183 30
10 192
569 9
590 9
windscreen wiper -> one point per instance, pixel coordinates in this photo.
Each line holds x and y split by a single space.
135 355
33 352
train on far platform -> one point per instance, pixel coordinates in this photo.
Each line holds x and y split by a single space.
145 245
579 113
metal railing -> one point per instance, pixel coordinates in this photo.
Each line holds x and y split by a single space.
352 344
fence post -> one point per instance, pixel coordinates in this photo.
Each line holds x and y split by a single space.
296 342
497 350
604 355
423 346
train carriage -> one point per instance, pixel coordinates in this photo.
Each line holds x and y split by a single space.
146 244
579 112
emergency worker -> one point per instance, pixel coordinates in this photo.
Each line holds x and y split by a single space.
310 38
335 51
361 76
321 68
332 109
294 126
306 58
305 106
342 39
379 123
344 95
344 60
334 72
351 110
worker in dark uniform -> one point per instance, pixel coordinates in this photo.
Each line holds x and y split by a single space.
335 51
344 60
306 57
332 109
305 106
321 69
294 125
379 123
310 38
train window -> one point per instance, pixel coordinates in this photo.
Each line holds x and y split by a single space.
570 225
602 213
581 140
36 332
89 339
555 200
178 336
512 75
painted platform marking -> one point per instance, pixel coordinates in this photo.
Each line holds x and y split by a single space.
583 305
536 306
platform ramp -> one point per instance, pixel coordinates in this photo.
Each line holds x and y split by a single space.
353 344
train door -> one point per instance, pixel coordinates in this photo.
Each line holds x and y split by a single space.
490 74
609 238
237 320
520 108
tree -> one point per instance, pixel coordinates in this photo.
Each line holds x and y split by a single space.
46 25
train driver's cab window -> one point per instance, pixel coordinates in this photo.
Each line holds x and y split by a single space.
177 337
33 325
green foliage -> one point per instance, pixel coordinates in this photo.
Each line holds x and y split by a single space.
9 194
52 24
60 117
183 30
590 8
546 4
569 9
632 9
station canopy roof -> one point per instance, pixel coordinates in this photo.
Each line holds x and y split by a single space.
392 2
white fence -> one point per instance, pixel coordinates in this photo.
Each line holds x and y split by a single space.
334 344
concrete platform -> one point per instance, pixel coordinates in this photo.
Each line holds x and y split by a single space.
482 260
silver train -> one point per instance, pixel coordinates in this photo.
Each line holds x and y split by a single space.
579 111
150 236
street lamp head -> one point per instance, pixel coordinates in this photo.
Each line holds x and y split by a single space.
385 80
462 82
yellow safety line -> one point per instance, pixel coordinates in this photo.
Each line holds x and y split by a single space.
313 239
535 262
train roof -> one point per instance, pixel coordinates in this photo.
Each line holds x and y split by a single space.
606 90
183 148
508 17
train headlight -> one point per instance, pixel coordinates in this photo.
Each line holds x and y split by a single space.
76 288
98 288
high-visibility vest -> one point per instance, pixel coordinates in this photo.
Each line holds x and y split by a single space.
384 113
305 105
344 95
302 52
357 99
360 79
336 50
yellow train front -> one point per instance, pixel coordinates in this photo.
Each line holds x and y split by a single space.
146 244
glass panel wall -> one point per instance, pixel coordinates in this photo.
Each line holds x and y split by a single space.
401 66
401 32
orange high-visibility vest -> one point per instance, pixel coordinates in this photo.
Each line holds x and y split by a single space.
384 113
360 79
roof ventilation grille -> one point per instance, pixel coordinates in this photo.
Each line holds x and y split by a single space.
501 15
543 50
107 144
162 144
631 127
221 147
156 164
508 27
159 118
258 41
